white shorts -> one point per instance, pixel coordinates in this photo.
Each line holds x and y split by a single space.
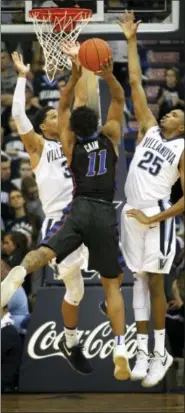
148 248
79 255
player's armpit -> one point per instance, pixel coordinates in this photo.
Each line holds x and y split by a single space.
33 142
141 134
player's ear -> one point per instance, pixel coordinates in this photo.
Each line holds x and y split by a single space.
181 128
42 127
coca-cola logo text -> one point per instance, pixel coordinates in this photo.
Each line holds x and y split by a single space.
97 343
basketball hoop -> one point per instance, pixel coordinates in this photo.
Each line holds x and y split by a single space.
54 26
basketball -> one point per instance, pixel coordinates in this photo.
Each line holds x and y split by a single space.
93 53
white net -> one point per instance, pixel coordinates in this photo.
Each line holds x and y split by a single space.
51 31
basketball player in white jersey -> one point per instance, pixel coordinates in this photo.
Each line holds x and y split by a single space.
148 228
55 187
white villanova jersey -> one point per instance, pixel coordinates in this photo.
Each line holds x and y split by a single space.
153 170
54 180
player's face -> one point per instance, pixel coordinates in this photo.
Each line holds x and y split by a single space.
173 121
16 200
50 125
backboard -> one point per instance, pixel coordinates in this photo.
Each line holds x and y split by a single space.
157 16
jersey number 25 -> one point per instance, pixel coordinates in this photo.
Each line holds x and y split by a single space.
151 163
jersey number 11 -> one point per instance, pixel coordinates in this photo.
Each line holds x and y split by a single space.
101 167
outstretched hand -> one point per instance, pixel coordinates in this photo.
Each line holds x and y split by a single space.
19 64
71 49
126 22
106 68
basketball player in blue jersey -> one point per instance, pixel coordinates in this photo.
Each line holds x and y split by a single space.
92 156
148 228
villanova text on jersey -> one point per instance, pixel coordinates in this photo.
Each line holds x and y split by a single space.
159 147
54 154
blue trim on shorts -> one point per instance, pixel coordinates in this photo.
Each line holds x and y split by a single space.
65 212
162 229
162 232
120 255
170 237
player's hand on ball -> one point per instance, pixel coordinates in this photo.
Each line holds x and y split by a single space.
106 68
19 64
126 22
139 215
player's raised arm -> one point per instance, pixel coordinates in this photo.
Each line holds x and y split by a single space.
67 137
142 110
112 127
32 141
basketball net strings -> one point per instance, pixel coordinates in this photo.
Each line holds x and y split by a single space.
51 40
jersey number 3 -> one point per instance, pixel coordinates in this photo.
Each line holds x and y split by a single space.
151 163
66 170
101 169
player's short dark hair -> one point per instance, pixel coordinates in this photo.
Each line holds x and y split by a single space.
40 118
84 121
